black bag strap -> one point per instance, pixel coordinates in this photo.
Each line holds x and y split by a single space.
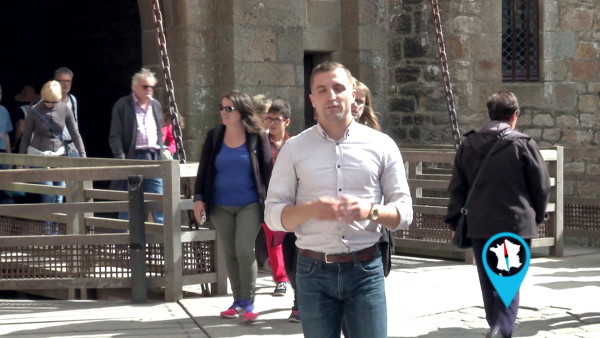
464 210
45 120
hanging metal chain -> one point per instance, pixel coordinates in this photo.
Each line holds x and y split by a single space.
435 10
173 111
174 115
166 66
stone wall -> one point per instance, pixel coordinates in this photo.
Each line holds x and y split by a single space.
258 46
563 108
217 46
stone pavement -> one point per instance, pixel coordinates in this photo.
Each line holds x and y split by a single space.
560 297
426 298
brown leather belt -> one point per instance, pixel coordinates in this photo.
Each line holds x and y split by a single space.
364 255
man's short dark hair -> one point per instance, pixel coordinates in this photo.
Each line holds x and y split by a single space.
502 105
329 66
279 106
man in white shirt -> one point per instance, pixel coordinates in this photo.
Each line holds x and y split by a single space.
327 186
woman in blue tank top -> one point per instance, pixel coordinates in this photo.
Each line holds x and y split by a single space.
230 191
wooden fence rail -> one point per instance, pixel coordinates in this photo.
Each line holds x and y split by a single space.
429 172
582 213
91 250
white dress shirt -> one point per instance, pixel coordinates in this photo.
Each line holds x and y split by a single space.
365 163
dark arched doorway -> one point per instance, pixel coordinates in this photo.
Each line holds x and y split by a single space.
99 40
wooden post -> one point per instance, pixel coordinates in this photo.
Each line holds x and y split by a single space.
171 205
557 196
137 238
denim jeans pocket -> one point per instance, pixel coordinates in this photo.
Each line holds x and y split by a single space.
305 266
373 266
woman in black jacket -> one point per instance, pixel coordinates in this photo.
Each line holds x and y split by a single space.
230 191
510 196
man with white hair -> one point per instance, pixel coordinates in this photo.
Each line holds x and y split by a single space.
135 129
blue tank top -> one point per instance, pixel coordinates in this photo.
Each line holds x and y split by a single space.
234 182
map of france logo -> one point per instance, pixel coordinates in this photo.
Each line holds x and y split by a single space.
506 258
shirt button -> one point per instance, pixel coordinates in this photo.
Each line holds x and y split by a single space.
339 166
340 189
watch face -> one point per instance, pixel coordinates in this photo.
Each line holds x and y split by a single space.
375 214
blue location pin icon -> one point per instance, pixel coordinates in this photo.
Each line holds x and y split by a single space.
513 256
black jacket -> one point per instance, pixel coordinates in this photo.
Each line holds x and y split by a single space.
260 155
512 192
123 127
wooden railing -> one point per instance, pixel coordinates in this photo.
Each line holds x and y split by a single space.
429 172
582 194
91 249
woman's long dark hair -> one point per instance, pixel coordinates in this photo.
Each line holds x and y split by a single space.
243 103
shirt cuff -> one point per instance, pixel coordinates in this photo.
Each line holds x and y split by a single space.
273 217
406 216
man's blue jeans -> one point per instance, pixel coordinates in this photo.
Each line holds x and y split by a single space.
47 198
151 185
52 228
330 292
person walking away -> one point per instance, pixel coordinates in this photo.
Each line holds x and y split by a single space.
511 194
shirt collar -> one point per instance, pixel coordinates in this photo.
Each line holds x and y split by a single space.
137 102
323 134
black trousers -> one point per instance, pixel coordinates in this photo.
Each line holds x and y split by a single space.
290 253
496 313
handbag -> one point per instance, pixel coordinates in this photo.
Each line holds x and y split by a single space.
58 135
386 246
460 239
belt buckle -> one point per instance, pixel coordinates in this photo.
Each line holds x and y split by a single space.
325 258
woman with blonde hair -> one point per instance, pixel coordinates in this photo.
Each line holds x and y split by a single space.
44 126
362 108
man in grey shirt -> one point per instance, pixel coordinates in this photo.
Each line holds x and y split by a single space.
64 76
327 186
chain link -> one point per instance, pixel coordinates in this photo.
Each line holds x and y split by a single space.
166 66
435 10
173 111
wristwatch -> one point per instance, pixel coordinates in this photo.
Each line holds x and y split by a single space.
374 213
